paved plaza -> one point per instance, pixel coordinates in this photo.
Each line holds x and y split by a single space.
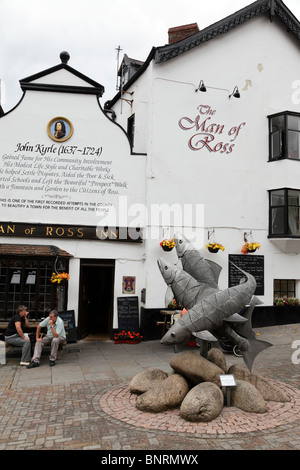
83 403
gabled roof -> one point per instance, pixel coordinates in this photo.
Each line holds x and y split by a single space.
42 80
274 7
127 62
164 53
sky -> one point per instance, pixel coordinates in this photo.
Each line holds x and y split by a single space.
33 33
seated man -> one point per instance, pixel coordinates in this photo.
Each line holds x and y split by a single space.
55 335
15 336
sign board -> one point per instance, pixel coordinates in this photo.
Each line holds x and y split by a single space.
252 264
128 313
68 316
128 285
78 232
227 380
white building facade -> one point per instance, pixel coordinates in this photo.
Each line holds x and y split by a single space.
175 151
238 157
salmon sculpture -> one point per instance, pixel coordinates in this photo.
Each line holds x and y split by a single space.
211 313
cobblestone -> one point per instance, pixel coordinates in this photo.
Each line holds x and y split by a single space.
43 409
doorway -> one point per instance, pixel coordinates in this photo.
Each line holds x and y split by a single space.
95 316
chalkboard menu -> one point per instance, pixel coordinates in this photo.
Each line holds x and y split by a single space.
68 316
128 313
252 264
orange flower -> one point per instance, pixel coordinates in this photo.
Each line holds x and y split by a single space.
59 277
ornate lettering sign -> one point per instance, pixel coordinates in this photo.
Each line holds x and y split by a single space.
79 232
209 135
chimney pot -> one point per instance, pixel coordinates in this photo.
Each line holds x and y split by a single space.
181 32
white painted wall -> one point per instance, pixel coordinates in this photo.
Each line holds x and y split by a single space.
262 59
37 178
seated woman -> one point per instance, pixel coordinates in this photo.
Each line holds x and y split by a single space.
14 334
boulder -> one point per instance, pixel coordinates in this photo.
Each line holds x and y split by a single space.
268 390
163 395
216 356
145 379
196 368
203 403
246 397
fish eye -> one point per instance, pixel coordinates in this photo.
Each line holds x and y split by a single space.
173 334
180 241
166 267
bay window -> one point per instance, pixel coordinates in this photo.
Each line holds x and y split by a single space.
284 217
284 136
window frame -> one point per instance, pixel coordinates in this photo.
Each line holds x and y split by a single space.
282 290
285 140
6 313
285 206
131 129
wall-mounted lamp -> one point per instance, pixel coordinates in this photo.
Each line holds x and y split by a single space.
235 93
210 233
201 87
247 236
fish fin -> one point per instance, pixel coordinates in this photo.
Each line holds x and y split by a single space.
216 269
169 296
236 318
205 335
255 347
246 329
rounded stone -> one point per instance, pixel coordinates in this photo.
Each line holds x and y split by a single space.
196 368
216 356
268 390
146 379
163 395
247 398
203 403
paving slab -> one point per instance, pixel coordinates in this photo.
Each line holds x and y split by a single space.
83 402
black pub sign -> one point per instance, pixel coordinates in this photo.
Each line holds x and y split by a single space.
78 232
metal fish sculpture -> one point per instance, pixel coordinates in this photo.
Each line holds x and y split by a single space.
211 313
186 290
193 262
231 328
204 271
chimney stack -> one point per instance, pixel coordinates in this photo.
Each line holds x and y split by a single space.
181 32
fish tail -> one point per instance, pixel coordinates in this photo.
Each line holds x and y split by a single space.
255 347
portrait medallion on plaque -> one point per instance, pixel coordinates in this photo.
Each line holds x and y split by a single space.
60 129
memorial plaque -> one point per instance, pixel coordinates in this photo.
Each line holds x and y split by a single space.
252 264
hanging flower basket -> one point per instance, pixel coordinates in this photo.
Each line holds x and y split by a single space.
213 250
59 278
250 247
167 245
214 247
